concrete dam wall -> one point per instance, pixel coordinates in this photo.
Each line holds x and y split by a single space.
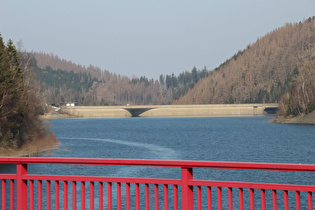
209 110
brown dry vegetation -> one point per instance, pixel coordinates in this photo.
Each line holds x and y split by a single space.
32 148
260 73
300 99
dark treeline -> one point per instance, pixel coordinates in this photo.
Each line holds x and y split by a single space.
180 84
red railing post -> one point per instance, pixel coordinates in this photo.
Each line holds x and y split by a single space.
21 187
4 187
187 191
11 194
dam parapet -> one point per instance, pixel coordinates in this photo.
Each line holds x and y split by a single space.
204 110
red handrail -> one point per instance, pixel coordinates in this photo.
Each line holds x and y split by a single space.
185 186
163 163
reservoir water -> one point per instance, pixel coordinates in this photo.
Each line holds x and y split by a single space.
243 139
239 139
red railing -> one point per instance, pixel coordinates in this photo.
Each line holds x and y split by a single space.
19 189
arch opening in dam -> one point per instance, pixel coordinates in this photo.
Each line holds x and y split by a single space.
136 112
271 110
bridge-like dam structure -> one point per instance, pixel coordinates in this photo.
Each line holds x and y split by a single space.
204 110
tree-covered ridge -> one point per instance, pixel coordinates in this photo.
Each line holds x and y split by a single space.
93 86
19 107
262 72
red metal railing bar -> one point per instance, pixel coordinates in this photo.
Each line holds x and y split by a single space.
3 194
11 194
286 200
240 198
209 198
91 195
118 196
128 196
100 196
48 195
166 197
102 179
109 195
310 202
219 198
31 195
274 199
265 186
82 195
251 199
156 197
198 197
137 197
175 187
8 176
230 198
263 199
146 196
74 195
187 190
40 196
163 163
65 195
21 186
56 194
297 199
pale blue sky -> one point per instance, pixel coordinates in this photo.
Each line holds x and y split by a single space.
146 37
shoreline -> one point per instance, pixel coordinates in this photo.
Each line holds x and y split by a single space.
32 148
27 152
304 119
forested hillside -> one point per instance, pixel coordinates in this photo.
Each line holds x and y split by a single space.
62 81
262 72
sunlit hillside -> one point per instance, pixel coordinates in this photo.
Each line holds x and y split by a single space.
262 72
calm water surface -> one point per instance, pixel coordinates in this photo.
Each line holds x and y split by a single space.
218 139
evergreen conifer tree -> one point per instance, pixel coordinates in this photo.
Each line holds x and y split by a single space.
19 109
11 95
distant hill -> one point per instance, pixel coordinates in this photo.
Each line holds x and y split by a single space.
262 72
62 81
